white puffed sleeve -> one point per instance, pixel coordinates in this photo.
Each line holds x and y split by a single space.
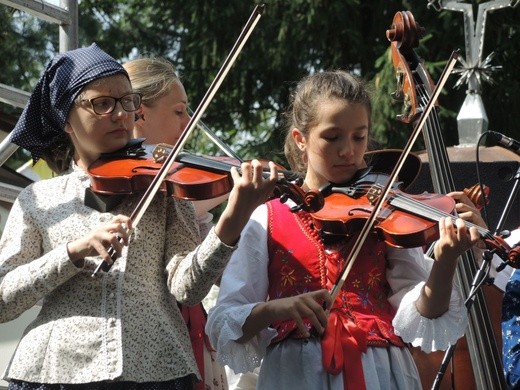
408 270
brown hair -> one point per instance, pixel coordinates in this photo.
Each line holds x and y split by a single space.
303 106
59 155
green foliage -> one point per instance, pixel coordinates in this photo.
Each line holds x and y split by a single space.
27 44
291 39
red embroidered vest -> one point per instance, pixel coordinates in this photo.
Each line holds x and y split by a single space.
300 262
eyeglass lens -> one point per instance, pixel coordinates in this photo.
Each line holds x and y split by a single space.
107 104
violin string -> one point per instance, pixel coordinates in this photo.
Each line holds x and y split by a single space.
425 209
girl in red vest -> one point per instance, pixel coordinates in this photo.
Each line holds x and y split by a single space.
274 305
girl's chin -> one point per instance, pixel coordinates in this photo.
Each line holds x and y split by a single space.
343 178
116 144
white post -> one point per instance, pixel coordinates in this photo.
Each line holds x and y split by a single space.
472 119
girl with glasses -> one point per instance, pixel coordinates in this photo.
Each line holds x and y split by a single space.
120 329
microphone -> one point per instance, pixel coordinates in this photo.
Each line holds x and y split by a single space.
506 142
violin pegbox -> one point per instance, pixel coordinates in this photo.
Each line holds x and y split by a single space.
310 201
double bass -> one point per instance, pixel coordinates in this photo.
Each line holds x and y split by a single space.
477 359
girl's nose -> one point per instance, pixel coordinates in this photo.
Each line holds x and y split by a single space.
119 111
346 150
185 121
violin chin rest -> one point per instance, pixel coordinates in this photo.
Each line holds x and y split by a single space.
101 203
384 161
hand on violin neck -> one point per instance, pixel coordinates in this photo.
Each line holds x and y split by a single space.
454 239
251 188
466 209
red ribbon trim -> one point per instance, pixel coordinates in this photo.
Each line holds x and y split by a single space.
342 338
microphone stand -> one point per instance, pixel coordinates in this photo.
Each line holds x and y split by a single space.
481 276
509 203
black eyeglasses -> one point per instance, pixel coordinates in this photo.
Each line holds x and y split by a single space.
107 104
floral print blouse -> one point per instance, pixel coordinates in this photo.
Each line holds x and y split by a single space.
119 325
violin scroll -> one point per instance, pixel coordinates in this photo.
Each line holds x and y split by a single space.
513 257
478 198
510 255
310 201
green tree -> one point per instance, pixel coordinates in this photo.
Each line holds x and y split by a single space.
26 45
291 39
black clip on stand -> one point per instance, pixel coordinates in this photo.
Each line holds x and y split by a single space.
481 276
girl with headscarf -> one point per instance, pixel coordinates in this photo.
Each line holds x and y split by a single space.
121 328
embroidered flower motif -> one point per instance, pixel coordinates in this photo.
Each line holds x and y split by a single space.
287 276
285 255
374 277
365 299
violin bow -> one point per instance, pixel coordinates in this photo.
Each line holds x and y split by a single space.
371 220
156 183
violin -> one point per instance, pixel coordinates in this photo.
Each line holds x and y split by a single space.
404 221
132 169
479 195
347 207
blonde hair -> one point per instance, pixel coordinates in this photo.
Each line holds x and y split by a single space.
304 103
151 77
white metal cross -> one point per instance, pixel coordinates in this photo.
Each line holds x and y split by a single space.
472 119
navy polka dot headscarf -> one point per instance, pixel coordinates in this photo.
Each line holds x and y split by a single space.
43 119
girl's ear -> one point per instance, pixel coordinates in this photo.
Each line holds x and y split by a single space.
68 128
139 114
299 139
